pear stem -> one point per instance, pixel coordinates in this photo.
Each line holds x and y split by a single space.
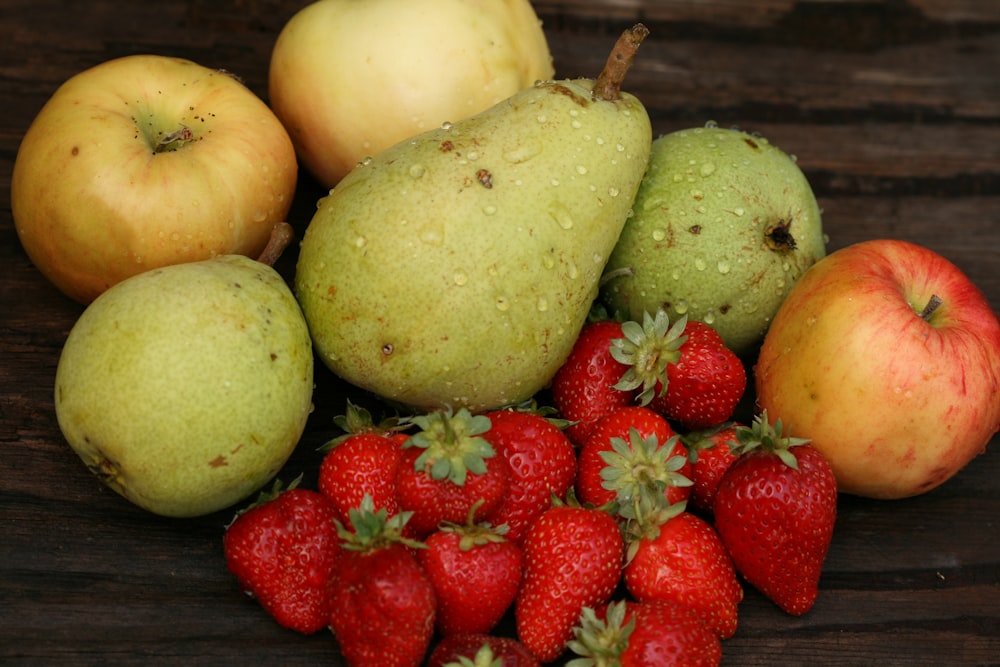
281 235
608 86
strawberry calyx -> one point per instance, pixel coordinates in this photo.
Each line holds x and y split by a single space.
696 441
266 496
644 519
357 419
472 534
484 657
600 642
641 469
452 444
547 412
369 529
647 349
764 436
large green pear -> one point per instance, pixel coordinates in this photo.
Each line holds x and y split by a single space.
457 268
725 223
186 388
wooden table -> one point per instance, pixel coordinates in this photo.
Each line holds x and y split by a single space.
893 110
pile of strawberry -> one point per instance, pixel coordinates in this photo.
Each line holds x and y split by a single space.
607 533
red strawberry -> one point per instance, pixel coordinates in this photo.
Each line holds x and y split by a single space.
541 462
631 449
573 559
583 389
476 574
382 605
361 462
283 550
634 634
481 650
711 455
775 510
447 468
705 384
676 556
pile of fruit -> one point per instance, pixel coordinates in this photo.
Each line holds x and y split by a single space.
559 309
610 534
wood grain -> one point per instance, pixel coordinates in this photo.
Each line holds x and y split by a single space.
893 111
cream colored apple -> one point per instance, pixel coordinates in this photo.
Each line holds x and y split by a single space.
349 78
146 161
887 357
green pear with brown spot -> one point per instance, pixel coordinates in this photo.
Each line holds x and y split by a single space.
457 268
725 223
186 388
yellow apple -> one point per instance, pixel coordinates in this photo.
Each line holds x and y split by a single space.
349 78
146 161
887 357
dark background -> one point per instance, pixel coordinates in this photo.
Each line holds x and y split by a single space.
893 110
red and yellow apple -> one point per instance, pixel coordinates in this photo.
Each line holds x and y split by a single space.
349 79
887 357
145 161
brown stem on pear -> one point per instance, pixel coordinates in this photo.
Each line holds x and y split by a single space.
608 86
281 235
932 304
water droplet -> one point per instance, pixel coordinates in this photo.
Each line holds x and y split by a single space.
707 169
681 306
360 242
621 149
711 124
502 303
700 264
675 274
572 272
417 170
738 211
522 153
580 169
431 236
542 304
576 124
460 278
659 235
541 118
472 155
489 209
446 125
613 192
709 317
562 216
723 266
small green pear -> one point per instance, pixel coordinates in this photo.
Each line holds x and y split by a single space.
186 388
725 223
457 268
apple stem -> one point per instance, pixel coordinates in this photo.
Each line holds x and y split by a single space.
281 235
609 83
173 140
932 304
